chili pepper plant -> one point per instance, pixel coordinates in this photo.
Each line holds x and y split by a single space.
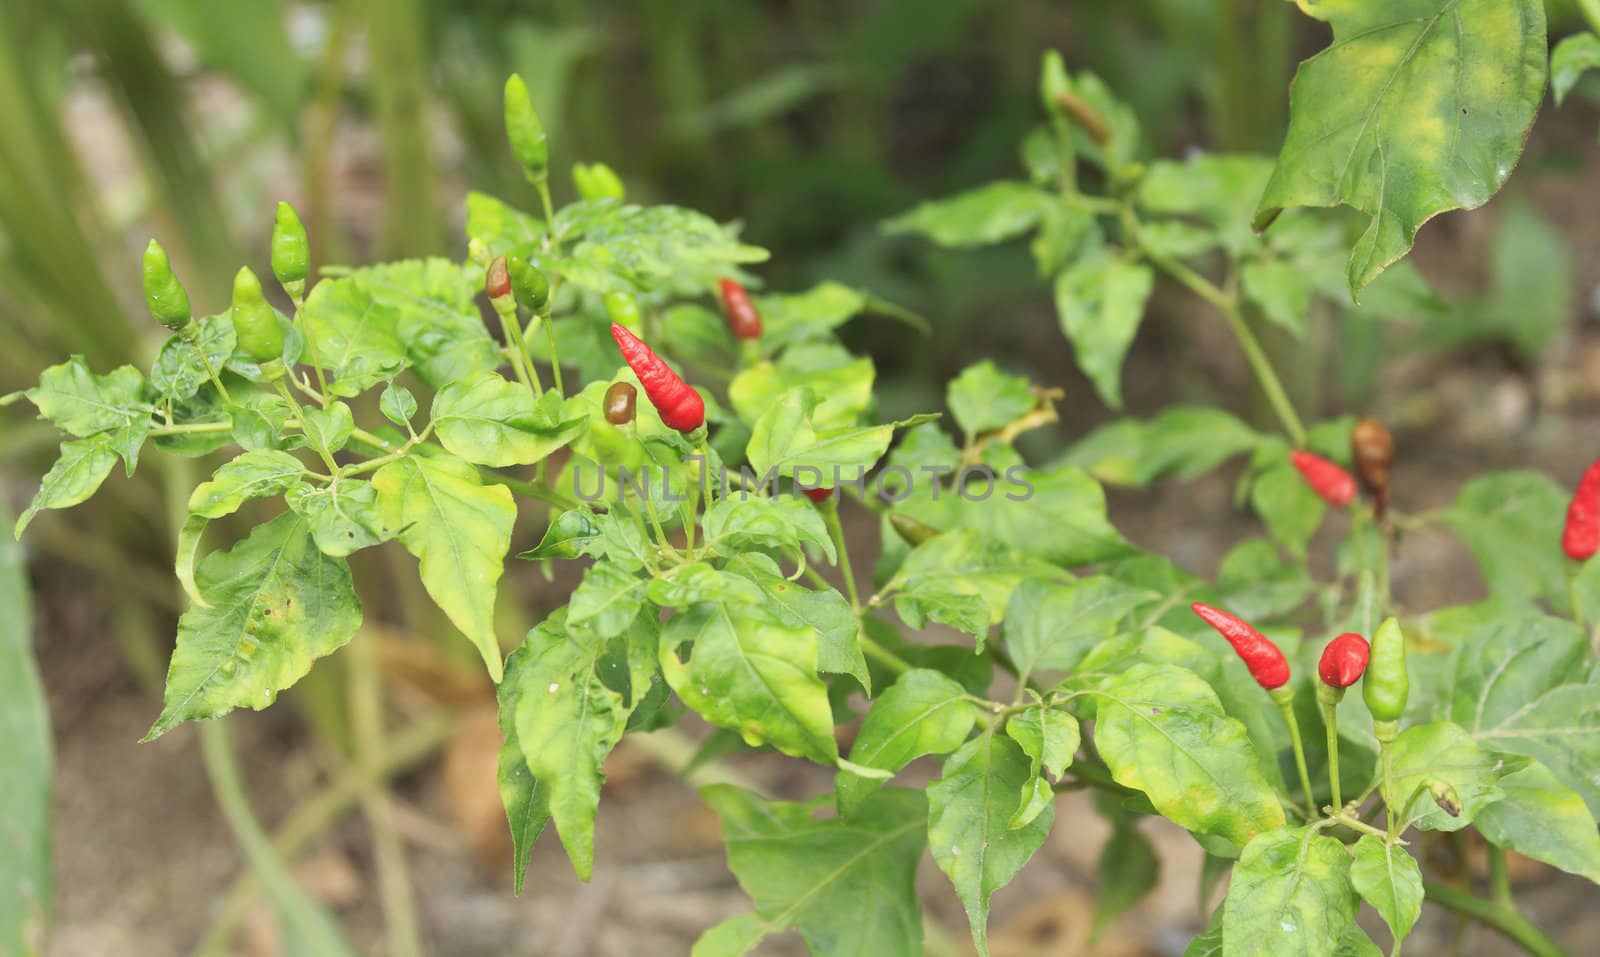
642 407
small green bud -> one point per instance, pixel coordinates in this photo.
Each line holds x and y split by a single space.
597 181
254 322
525 131
623 310
1053 82
291 253
163 293
531 288
478 251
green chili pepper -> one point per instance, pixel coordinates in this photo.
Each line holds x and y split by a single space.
597 181
254 322
1386 684
525 131
623 310
291 252
531 287
163 293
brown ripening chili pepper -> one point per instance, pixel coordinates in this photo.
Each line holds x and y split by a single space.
743 318
1581 536
681 407
620 402
1372 447
497 279
1343 661
1331 483
1266 663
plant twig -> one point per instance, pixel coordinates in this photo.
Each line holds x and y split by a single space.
1506 921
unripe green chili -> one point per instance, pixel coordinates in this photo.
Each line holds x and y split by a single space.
254 322
597 181
623 310
525 131
163 293
1386 684
291 252
531 287
913 531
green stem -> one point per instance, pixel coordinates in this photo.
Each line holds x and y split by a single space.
887 658
283 390
1388 788
1330 720
395 894
1359 826
1499 879
1287 707
511 328
311 924
1507 921
830 518
555 355
192 336
311 350
1228 305
192 428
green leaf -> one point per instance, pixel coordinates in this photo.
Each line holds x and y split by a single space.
1127 868
1047 736
81 403
842 383
969 814
1281 290
1541 818
567 722
178 372
1512 523
1219 190
621 247
754 674
1290 894
1415 109
1528 685
991 213
733 937
923 712
1570 60
526 799
26 883
964 579
343 518
1051 626
1100 302
741 522
505 230
397 404
1162 731
276 605
785 438
329 429
826 611
1442 753
459 529
76 475
821 877
1388 878
982 398
788 318
1057 515
1291 510
490 421
251 475
607 600
1257 583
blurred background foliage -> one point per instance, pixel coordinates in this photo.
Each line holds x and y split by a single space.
812 121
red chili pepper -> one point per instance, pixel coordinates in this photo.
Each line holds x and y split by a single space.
743 318
1581 537
1266 663
818 494
1333 484
1343 660
680 406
